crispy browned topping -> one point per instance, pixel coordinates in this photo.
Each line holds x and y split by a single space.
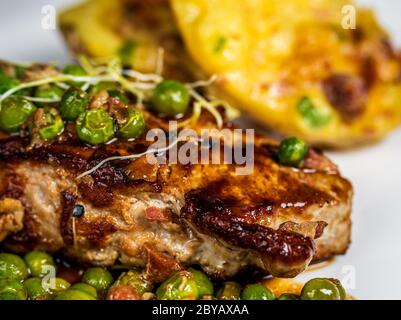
215 217
347 94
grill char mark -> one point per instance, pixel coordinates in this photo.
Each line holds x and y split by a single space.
71 155
214 217
95 231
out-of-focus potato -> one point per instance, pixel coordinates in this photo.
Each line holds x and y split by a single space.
142 33
292 66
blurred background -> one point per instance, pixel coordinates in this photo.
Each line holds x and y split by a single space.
21 30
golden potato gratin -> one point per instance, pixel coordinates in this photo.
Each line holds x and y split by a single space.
292 65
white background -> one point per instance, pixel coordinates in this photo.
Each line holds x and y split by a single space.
375 171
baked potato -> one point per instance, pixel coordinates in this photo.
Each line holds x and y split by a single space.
292 66
141 33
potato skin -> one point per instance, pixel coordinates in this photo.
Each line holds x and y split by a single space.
268 55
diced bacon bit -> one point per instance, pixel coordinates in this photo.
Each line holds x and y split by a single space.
368 70
116 104
346 93
38 72
160 266
39 118
316 160
38 121
157 214
123 292
117 109
99 100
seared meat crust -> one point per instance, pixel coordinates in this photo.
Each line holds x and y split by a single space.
212 216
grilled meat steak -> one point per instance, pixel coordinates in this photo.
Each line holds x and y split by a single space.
277 220
164 216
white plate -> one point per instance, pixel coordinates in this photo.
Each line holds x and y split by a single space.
370 269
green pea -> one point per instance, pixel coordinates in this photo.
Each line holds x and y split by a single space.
57 285
49 92
72 294
292 151
35 289
229 291
320 289
38 261
53 126
205 286
14 112
288 296
95 126
136 280
73 103
99 278
11 289
340 288
134 125
6 82
12 267
85 288
257 291
170 98
75 70
180 286
312 115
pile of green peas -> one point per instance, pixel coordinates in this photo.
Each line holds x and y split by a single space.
34 277
93 125
96 126
193 285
